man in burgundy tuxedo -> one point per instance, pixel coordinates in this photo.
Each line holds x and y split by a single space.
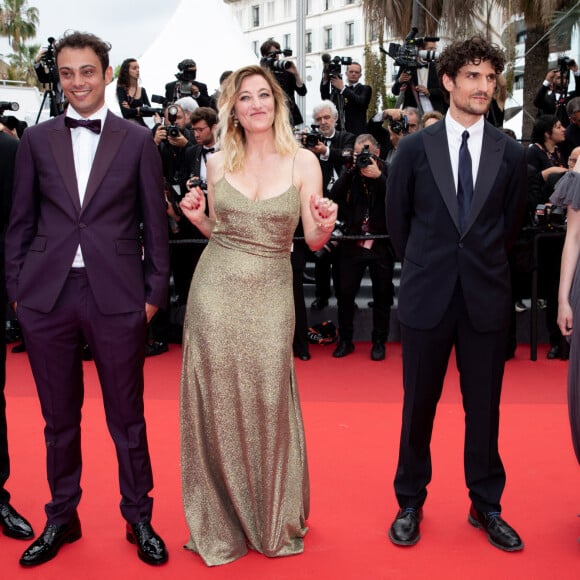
79 269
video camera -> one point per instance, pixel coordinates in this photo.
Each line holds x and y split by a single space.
151 111
332 67
8 106
270 61
408 55
172 129
48 59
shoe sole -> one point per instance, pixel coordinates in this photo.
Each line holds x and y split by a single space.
477 525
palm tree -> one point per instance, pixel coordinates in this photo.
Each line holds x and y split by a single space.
18 22
22 64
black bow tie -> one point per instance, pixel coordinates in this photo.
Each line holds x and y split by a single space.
93 125
209 149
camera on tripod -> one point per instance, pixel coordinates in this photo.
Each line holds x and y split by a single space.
332 67
48 59
273 63
408 55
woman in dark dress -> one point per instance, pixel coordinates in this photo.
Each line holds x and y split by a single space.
130 94
545 165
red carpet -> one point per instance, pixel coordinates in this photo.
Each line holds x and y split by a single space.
352 412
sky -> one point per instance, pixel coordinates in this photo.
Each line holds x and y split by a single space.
128 26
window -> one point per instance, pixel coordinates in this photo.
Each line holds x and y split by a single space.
347 2
255 16
327 4
349 34
287 41
328 38
256 48
307 6
288 10
308 43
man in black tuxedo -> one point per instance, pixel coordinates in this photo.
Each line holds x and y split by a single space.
353 96
456 194
12 523
553 96
186 85
420 86
330 149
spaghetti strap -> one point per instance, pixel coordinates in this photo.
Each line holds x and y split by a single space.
293 162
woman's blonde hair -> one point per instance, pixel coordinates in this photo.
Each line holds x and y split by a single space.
232 135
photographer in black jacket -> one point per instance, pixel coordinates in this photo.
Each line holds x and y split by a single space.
287 75
360 194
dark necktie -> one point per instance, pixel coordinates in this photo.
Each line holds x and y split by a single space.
93 125
464 180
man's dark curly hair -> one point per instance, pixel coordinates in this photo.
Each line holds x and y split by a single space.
473 50
79 40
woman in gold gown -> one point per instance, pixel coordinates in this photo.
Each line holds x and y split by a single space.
244 468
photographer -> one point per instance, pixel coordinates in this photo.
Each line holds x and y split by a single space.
186 85
352 97
333 148
360 194
418 81
287 75
553 96
177 149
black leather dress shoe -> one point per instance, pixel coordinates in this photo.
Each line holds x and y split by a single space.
499 533
47 545
404 531
13 524
378 351
156 347
554 352
302 355
150 547
18 348
319 304
343 348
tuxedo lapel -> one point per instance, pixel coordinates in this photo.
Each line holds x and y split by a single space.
492 150
112 136
61 146
437 151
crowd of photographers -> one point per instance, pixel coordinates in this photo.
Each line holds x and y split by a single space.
355 148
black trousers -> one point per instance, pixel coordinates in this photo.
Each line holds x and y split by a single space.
4 457
353 261
480 360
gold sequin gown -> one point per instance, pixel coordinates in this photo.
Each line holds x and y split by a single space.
244 469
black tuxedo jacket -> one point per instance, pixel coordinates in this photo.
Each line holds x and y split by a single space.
341 141
435 93
423 222
356 102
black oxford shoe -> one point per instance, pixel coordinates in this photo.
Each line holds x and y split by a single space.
344 348
150 547
499 533
378 351
48 544
404 531
13 524
319 304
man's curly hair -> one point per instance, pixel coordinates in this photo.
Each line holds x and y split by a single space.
473 50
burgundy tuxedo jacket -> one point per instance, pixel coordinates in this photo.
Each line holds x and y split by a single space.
47 221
